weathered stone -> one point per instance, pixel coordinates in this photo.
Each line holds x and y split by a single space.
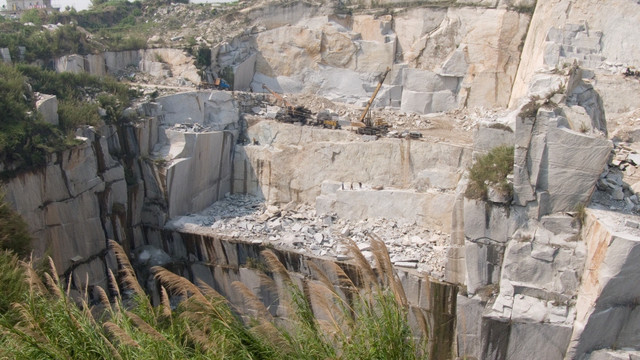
608 354
200 174
486 221
468 314
243 73
5 55
546 341
487 138
604 285
47 105
483 264
400 205
374 56
70 63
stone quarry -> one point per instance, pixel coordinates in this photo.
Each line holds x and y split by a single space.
211 177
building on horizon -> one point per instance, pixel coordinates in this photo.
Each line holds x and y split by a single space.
17 6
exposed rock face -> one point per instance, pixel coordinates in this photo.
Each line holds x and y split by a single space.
81 194
564 30
533 281
442 57
522 262
606 300
193 142
219 261
89 194
158 63
557 163
290 162
199 174
427 209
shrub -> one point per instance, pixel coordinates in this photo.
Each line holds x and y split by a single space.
74 113
36 16
203 57
491 170
131 42
24 139
14 233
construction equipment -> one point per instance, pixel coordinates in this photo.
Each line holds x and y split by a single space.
364 124
290 113
218 83
324 119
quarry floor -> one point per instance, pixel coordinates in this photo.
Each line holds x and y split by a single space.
296 227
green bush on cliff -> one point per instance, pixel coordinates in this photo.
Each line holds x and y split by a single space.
491 170
25 140
41 44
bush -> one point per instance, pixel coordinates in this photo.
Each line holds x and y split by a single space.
42 44
73 114
491 170
25 141
203 57
131 42
36 16
14 233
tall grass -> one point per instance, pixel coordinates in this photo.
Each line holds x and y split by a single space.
46 322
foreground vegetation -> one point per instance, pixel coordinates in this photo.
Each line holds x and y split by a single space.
25 140
46 323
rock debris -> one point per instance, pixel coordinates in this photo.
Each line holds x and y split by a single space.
297 227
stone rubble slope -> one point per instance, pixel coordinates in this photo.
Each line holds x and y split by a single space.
297 227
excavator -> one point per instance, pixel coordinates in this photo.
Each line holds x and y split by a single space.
365 125
291 114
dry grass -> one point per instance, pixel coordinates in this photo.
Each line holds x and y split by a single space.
326 319
118 334
127 273
251 301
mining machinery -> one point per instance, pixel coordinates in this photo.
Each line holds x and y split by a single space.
365 125
290 113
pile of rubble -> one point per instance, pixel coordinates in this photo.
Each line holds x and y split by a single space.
618 185
297 227
190 128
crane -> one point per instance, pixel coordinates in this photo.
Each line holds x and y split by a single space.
364 124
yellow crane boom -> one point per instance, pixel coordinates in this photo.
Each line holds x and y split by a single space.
366 110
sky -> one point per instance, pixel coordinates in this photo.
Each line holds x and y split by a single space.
84 4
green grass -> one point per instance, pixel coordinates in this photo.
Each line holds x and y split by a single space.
491 170
46 323
25 140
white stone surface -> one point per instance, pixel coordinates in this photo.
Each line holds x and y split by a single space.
5 55
47 105
200 173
